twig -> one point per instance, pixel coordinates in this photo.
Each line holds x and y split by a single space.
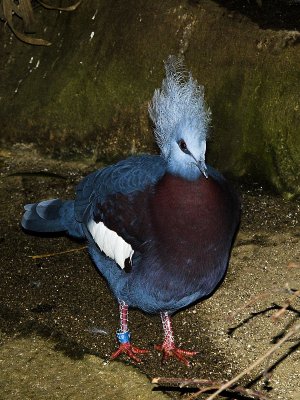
288 302
70 8
293 265
208 386
253 300
227 385
185 382
58 253
262 295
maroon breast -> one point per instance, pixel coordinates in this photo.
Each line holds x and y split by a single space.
193 220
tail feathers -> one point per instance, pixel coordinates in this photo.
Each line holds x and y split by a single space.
51 216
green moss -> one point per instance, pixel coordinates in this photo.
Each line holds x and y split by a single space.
89 94
255 124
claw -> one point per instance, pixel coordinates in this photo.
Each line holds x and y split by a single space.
130 351
173 351
168 347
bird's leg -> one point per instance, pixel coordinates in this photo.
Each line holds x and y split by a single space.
123 336
168 347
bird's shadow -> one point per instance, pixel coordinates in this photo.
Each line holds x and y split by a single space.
266 373
273 307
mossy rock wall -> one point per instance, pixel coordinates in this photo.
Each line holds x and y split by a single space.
87 94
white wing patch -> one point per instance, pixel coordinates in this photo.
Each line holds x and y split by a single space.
110 243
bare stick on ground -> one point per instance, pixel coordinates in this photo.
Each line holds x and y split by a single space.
225 386
222 386
208 385
58 253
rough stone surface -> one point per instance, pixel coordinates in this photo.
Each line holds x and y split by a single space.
32 369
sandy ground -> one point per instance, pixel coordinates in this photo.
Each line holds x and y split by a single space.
58 318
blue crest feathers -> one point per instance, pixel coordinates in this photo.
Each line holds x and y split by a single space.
178 105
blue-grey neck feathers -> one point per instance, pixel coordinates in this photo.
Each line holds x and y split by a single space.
179 105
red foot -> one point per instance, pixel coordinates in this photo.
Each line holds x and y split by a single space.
173 351
130 351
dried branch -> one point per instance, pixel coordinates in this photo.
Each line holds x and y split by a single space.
70 8
293 265
207 385
58 253
185 382
25 12
251 301
246 371
288 302
266 294
23 9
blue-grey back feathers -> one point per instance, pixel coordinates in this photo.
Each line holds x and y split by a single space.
43 216
52 216
179 105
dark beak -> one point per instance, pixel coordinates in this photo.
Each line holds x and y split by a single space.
202 167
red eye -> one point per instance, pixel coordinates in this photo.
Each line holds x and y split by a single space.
182 145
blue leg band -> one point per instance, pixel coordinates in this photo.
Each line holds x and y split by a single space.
123 337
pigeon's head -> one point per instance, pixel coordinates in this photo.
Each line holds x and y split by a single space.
181 121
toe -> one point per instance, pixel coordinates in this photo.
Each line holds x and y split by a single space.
173 351
130 351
